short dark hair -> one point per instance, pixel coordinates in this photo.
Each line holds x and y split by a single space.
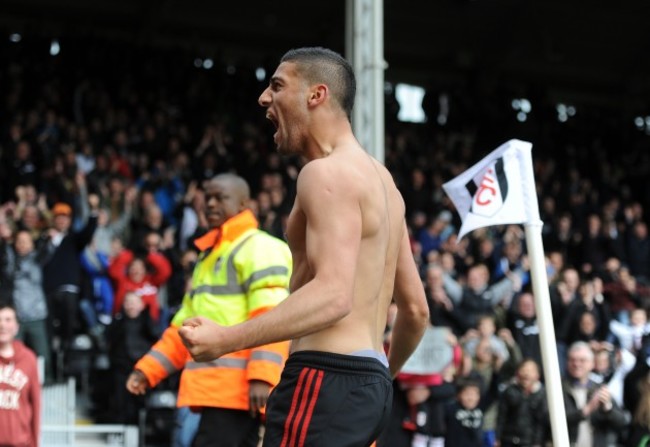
7 305
321 65
463 383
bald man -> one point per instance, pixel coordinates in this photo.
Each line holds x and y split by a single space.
242 272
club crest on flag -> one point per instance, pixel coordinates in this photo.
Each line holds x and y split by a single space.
490 194
500 189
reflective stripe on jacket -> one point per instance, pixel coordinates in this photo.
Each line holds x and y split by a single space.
246 273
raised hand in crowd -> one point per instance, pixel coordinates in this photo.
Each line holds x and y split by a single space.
600 399
505 335
130 196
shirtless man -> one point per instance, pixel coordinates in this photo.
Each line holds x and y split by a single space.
351 256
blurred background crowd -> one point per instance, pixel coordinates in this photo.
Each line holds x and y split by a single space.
103 154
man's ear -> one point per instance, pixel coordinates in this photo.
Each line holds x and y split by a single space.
318 94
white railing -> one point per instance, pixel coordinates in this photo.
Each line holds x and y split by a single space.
90 435
58 422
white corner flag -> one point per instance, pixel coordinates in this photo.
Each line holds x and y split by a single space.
500 189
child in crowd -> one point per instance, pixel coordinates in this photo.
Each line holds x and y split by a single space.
130 336
464 416
485 330
131 274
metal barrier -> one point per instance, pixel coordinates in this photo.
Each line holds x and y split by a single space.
58 409
92 435
58 422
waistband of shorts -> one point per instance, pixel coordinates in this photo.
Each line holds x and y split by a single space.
350 364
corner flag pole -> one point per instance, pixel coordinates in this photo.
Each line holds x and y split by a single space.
500 189
551 367
546 334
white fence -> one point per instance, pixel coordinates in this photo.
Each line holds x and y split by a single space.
58 422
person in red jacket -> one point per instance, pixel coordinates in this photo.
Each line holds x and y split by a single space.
142 275
20 390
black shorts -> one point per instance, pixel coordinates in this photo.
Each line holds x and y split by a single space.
326 399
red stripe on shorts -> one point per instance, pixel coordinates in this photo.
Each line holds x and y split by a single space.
294 405
304 399
310 410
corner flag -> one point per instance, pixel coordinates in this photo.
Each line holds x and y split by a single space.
500 189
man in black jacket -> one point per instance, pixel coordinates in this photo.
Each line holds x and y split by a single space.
593 417
62 274
523 413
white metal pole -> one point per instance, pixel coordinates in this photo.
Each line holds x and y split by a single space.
546 334
378 66
364 48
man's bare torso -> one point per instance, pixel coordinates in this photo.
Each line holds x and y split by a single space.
378 207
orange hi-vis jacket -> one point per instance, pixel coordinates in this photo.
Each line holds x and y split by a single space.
241 273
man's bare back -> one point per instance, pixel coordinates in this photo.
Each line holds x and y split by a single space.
347 230
365 203
351 256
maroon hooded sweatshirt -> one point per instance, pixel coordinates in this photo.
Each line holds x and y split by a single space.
20 399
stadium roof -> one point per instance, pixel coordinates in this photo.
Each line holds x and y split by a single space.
595 51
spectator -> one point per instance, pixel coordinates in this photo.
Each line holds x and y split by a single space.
440 306
523 412
594 419
180 282
427 394
511 259
24 167
587 319
153 221
621 290
611 365
270 220
562 293
20 391
417 194
492 364
630 336
464 416
638 251
110 226
563 239
192 221
485 331
231 283
62 274
435 234
593 246
130 335
522 322
477 297
637 398
143 275
24 269
97 292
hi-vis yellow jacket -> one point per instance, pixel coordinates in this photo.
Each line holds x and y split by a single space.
241 272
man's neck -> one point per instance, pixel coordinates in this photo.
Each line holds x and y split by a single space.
330 135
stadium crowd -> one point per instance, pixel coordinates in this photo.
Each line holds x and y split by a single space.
103 153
